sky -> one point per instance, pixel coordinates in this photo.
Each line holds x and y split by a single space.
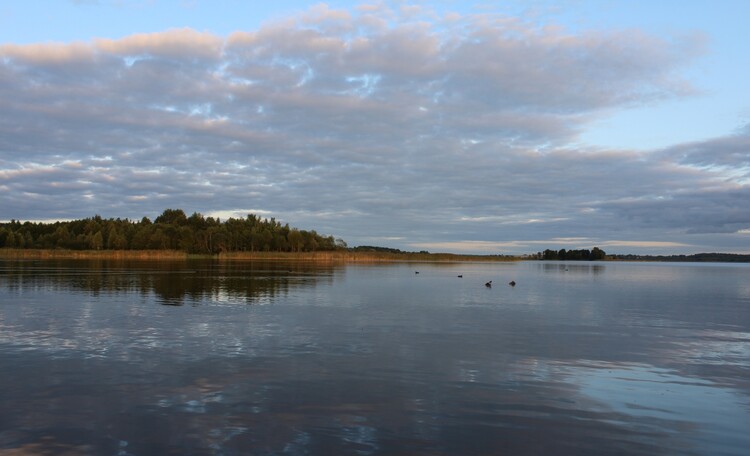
495 127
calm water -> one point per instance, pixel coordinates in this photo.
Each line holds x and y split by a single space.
292 358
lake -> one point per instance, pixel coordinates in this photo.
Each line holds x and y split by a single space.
235 358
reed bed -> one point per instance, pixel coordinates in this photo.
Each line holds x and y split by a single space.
44 254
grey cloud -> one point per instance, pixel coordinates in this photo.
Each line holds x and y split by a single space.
362 124
708 211
730 152
700 187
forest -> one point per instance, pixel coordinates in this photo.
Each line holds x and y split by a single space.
172 230
573 255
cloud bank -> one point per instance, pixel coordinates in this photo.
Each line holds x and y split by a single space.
374 124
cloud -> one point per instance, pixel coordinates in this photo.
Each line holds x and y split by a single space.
47 53
649 244
727 153
186 44
475 247
705 211
366 123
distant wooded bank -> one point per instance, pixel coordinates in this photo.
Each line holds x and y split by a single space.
696 258
597 254
173 230
173 234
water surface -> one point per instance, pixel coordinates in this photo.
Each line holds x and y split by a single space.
142 358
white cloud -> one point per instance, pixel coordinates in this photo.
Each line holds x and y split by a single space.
47 53
176 43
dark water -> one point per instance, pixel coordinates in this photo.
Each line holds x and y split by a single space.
292 358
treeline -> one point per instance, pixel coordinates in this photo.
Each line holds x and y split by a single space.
372 248
172 230
698 257
573 255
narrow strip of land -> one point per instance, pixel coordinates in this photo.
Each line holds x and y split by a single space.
323 256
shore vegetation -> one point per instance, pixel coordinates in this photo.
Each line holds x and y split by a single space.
174 235
173 230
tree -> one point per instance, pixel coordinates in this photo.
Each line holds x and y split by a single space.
92 226
61 237
158 241
96 241
116 241
550 255
172 217
141 237
196 221
295 240
598 254
10 240
171 230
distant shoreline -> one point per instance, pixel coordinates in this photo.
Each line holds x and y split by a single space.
342 256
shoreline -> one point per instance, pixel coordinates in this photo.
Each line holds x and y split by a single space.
324 256
336 256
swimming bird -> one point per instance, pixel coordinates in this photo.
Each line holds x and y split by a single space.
460 276
416 272
512 283
488 284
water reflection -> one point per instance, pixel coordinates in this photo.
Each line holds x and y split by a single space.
573 268
174 283
373 360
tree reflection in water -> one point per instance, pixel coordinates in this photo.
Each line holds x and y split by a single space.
173 283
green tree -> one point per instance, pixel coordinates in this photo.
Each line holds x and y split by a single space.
158 241
598 254
141 237
116 241
171 230
186 240
550 255
295 240
62 237
10 240
172 217
91 227
96 241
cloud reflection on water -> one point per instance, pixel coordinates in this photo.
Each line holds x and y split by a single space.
376 360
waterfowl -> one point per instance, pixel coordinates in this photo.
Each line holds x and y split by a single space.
488 284
512 283
460 276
